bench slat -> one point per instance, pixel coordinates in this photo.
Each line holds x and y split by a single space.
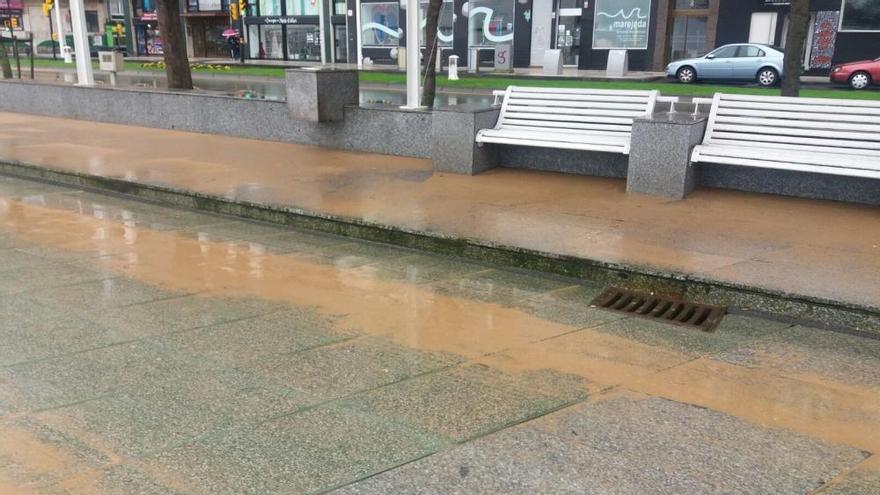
636 107
598 119
513 107
798 144
868 174
583 91
806 124
555 136
800 100
794 115
861 137
809 111
588 132
831 160
579 97
549 124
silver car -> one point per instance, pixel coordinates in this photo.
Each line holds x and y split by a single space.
742 61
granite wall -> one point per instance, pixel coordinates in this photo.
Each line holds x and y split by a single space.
387 130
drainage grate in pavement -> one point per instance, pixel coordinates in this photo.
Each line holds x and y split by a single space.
660 308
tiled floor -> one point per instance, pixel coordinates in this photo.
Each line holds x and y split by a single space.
149 350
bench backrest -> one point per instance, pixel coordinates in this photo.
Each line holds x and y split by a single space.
558 109
804 124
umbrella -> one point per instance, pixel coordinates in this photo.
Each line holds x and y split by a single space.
230 32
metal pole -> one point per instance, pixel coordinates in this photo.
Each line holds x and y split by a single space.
52 38
32 56
15 51
58 21
359 36
413 50
84 74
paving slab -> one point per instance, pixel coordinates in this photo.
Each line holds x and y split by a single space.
119 479
307 452
342 369
251 342
503 287
624 445
462 403
100 295
161 414
44 276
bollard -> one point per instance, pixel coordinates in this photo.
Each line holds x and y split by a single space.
453 67
474 61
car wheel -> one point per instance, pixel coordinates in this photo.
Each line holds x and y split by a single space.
686 75
860 80
768 77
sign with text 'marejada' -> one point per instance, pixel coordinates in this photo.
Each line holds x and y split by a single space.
621 24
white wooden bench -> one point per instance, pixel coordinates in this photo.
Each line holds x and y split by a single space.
827 136
576 119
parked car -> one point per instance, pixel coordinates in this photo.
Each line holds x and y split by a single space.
742 61
859 75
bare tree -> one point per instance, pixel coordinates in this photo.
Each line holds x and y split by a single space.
798 23
177 71
432 48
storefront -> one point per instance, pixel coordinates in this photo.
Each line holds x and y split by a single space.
205 22
297 30
147 37
839 30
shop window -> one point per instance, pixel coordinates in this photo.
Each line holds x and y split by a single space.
303 42
302 7
688 37
116 8
92 21
339 7
691 4
621 24
254 46
379 24
270 7
490 22
444 27
860 15
210 5
271 42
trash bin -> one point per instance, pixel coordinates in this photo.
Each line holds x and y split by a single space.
453 67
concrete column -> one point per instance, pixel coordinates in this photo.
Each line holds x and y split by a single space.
660 154
453 148
320 94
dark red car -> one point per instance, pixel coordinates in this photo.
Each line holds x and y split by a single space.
859 75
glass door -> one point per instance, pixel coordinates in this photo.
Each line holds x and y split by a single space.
568 35
340 43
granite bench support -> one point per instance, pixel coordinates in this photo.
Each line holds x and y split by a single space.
453 130
659 159
318 94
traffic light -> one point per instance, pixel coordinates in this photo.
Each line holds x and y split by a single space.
13 22
242 7
233 11
48 5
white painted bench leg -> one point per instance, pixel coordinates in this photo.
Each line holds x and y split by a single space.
659 159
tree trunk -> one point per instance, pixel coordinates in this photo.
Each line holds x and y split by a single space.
5 67
432 47
177 69
798 23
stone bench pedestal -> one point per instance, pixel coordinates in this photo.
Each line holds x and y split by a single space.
453 148
659 159
318 94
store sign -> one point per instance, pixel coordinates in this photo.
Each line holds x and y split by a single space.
621 24
769 3
824 38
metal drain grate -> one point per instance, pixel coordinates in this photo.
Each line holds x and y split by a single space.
661 308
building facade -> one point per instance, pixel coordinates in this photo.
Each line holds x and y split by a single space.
373 31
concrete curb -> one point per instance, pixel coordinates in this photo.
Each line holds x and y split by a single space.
796 308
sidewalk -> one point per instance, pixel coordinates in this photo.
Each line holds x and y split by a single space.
813 251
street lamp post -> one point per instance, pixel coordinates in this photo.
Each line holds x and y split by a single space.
413 52
84 74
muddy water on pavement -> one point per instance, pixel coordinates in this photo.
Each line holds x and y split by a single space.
417 317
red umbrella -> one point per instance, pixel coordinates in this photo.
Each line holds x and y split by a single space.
230 32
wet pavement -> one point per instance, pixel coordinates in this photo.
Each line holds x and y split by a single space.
806 248
153 350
